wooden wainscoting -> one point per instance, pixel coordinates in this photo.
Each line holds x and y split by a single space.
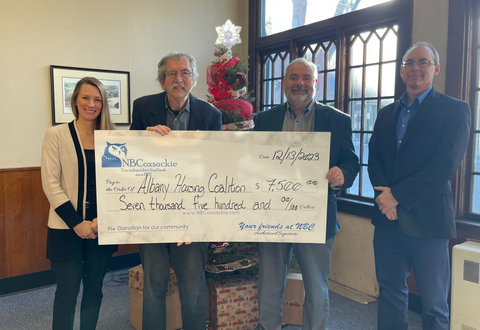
23 223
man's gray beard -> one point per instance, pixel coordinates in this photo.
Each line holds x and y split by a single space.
299 99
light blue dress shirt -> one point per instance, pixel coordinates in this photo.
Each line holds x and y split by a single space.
407 113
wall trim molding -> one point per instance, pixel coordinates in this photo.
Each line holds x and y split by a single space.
18 169
21 283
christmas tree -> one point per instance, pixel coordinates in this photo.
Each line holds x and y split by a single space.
227 81
227 87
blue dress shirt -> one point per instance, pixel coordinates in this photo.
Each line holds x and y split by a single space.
407 113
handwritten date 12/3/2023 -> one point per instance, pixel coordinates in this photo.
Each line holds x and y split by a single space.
290 154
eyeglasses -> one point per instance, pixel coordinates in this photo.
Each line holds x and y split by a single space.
173 74
419 63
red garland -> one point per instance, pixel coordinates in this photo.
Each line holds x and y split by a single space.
222 91
233 104
216 72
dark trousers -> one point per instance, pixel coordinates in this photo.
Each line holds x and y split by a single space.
68 275
396 254
188 262
314 262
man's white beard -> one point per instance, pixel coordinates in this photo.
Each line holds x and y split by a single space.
299 98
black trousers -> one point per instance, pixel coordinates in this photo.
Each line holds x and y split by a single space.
68 275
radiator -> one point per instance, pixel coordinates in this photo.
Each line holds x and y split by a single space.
465 299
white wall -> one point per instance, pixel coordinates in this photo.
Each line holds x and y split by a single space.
430 23
102 34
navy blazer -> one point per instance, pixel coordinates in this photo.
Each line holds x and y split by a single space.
342 152
419 172
150 111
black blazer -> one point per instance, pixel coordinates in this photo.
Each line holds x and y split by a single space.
342 152
150 111
419 172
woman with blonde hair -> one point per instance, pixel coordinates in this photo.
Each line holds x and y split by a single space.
68 179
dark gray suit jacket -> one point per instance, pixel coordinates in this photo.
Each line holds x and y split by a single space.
342 152
419 172
150 111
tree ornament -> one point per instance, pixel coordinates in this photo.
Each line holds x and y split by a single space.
228 35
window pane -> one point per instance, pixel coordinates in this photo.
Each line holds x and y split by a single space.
295 13
308 56
370 115
475 206
478 68
353 190
320 86
278 68
373 49
267 92
367 189
385 102
356 142
309 52
476 152
388 79
320 59
356 83
371 80
366 139
277 92
332 57
356 114
389 46
330 85
478 111
356 52
268 69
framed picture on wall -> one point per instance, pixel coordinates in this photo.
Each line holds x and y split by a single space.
64 79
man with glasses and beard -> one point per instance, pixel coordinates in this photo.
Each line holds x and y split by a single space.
174 109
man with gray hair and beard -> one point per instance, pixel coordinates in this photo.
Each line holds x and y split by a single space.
174 109
301 113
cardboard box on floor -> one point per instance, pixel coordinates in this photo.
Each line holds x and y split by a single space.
174 313
293 301
135 280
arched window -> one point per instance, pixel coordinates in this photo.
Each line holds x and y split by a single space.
357 50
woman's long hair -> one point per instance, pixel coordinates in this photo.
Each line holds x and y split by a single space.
104 122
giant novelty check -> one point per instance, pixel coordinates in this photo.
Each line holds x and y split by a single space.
211 186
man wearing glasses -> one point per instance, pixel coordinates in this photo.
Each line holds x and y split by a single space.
417 145
174 109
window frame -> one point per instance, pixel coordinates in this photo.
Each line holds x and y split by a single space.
399 11
461 64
